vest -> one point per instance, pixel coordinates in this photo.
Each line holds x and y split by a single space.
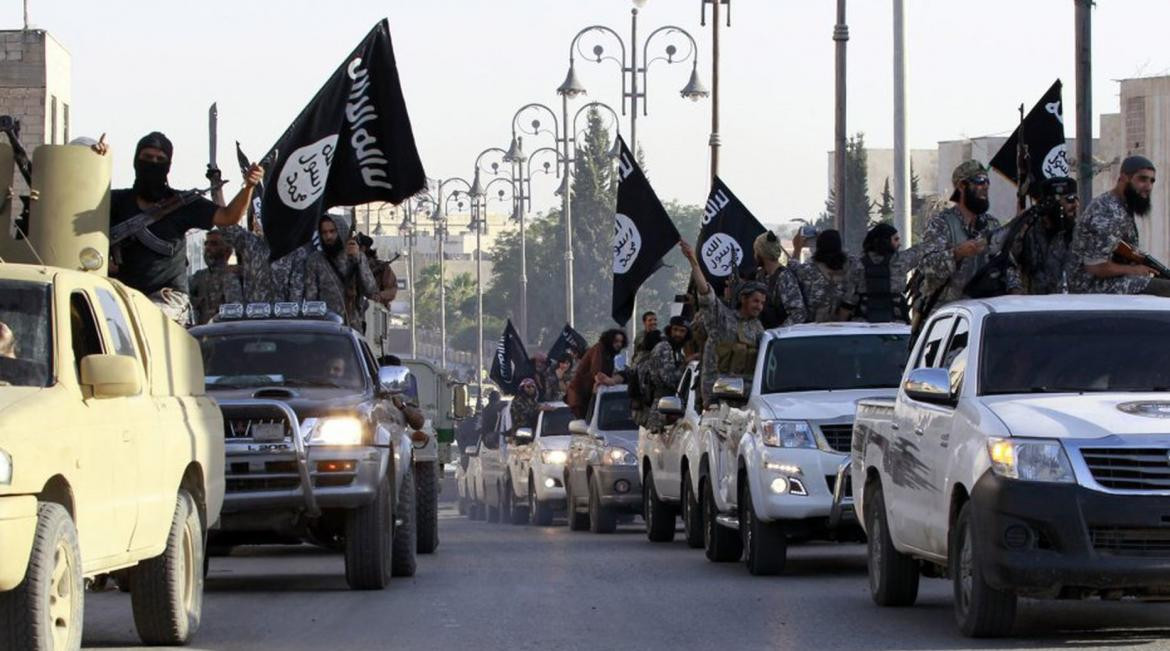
879 303
774 314
737 357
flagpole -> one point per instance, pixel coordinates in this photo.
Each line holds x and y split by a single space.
840 36
1084 77
902 217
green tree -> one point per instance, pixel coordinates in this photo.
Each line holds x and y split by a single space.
885 209
460 298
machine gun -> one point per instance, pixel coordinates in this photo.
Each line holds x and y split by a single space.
11 128
1127 252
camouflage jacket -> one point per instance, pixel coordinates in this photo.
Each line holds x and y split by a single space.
525 411
252 252
290 274
784 289
940 269
1104 224
725 327
902 263
661 371
824 289
1042 260
327 282
212 287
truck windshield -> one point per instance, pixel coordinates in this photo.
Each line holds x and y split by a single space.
26 348
234 361
834 363
615 412
556 422
1074 352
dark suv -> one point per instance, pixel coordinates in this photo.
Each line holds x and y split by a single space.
316 450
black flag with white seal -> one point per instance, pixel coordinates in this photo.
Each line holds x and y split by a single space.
510 364
352 144
642 235
1044 135
569 338
726 237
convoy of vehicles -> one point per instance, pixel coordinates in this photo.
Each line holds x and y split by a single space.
601 476
1022 457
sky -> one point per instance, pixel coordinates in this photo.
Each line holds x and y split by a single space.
467 65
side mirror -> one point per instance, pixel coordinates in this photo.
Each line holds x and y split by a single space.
931 385
579 427
523 435
111 376
459 402
670 406
394 380
471 451
729 388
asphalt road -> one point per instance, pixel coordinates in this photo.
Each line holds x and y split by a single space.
494 586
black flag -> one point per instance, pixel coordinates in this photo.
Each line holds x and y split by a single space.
569 338
642 235
351 144
1044 136
510 364
726 237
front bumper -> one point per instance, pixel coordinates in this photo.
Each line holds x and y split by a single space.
621 487
1042 539
823 476
18 526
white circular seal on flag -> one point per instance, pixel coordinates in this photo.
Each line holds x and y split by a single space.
1056 162
721 254
302 178
627 242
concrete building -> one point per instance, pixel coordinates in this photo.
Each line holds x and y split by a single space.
35 83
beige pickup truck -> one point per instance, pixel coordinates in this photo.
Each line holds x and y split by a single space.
111 455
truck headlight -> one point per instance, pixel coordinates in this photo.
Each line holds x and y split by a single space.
553 457
1030 460
338 430
788 434
616 456
5 468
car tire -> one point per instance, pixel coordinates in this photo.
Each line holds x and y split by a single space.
426 479
722 545
369 536
601 519
658 515
540 513
980 610
692 515
27 615
893 576
462 506
765 544
166 592
577 521
403 561
514 513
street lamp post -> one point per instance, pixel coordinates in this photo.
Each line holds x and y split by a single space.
716 8
479 198
841 37
440 219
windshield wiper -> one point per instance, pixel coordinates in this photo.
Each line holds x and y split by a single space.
298 382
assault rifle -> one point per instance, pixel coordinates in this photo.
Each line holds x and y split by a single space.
1129 253
139 222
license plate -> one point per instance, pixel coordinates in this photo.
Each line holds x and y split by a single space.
268 431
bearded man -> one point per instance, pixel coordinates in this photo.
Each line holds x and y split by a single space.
217 283
956 240
1108 221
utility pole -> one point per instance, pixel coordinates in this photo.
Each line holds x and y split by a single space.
1084 63
840 36
902 218
715 14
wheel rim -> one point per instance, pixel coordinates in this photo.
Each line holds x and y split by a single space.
966 571
61 595
187 567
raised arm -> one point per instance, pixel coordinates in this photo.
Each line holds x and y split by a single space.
696 272
234 211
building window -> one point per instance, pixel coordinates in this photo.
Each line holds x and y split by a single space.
65 120
52 119
1135 124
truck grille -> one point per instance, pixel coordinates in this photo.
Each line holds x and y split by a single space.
282 475
1126 541
839 437
242 429
1129 468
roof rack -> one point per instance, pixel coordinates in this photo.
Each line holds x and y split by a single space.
317 310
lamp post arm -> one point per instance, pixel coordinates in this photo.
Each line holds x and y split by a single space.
556 131
599 53
669 58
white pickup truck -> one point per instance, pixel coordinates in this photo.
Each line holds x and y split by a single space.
1027 453
775 459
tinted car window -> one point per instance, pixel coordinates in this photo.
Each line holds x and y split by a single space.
556 423
286 358
26 349
615 412
1074 352
834 363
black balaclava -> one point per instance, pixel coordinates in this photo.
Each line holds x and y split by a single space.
829 250
879 240
150 178
335 248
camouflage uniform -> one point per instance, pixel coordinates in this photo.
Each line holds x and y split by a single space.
554 389
902 263
212 287
1104 224
324 282
725 327
1044 261
525 411
783 289
663 369
290 274
255 270
824 289
939 268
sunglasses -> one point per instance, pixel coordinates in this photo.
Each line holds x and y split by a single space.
978 180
